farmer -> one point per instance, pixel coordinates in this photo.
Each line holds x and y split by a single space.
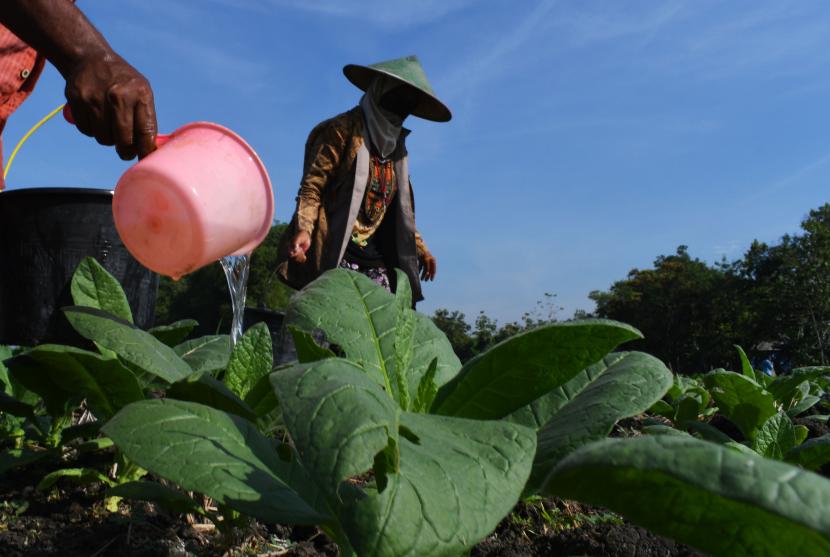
110 100
355 206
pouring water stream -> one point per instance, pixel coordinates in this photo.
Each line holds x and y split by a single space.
236 269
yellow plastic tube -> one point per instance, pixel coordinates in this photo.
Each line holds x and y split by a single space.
26 136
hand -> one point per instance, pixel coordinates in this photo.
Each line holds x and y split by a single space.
429 266
113 103
300 245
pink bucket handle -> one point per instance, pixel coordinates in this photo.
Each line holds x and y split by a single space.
161 138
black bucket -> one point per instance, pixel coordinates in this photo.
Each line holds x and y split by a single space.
44 235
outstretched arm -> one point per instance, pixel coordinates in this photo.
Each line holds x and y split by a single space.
110 100
324 153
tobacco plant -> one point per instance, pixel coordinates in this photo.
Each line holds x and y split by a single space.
393 447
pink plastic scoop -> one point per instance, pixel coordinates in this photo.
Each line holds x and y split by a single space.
202 195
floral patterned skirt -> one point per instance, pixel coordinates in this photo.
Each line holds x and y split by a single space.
379 275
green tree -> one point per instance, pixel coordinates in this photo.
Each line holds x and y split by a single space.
678 307
789 290
203 295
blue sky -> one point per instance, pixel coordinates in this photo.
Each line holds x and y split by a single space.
588 136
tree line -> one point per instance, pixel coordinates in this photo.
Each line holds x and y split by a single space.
775 299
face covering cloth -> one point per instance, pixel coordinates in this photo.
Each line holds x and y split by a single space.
384 126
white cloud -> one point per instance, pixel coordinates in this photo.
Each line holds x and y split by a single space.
389 13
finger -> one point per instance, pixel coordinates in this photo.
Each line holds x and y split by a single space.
82 118
102 124
145 127
122 129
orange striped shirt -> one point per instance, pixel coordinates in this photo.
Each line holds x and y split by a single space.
20 67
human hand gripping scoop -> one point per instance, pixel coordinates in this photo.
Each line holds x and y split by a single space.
202 195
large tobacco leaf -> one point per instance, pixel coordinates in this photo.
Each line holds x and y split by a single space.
527 366
722 501
174 333
741 399
93 286
203 388
375 329
776 437
138 348
440 484
219 454
105 383
209 353
812 454
586 408
339 418
251 359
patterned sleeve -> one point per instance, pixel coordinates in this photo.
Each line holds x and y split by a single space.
420 246
324 151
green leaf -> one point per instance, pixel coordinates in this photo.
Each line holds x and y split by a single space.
212 452
629 386
137 347
307 348
11 405
746 366
708 432
541 410
404 336
801 434
365 328
82 476
252 358
741 400
659 429
106 385
5 354
203 388
527 366
458 478
263 401
803 405
741 448
689 406
705 495
94 445
785 387
14 458
811 454
175 333
93 286
209 353
662 408
426 390
154 492
36 377
338 418
776 437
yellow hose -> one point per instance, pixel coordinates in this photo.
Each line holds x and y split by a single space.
25 137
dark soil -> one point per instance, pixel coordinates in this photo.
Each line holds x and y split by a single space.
577 530
71 521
